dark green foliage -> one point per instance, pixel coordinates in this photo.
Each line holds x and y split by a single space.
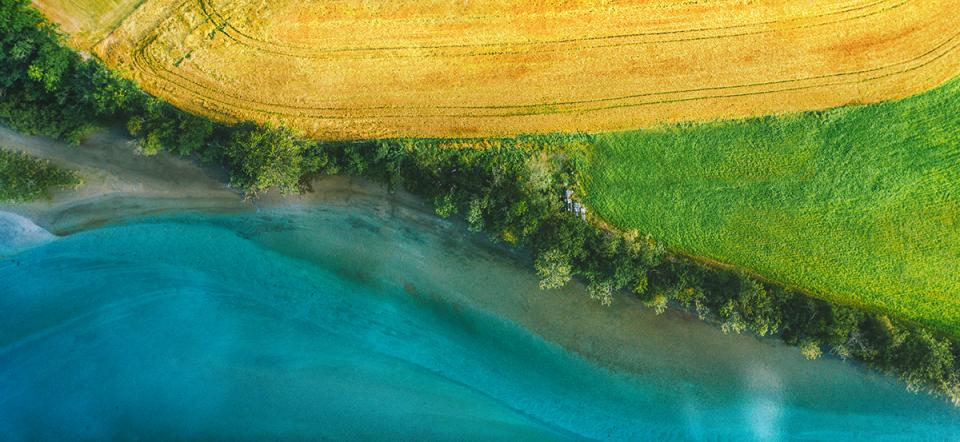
160 126
47 88
24 178
932 360
262 157
755 306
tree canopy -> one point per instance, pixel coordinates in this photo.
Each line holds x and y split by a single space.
24 178
262 157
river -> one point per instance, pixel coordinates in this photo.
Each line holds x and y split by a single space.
355 314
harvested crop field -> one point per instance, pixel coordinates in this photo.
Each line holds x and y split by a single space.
364 69
87 21
858 205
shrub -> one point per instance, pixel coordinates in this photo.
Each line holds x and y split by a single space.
24 178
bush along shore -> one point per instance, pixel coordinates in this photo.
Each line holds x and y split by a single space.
24 178
522 191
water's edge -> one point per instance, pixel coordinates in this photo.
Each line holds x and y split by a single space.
355 312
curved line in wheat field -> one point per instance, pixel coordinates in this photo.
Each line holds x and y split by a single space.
838 47
301 109
150 64
523 47
210 11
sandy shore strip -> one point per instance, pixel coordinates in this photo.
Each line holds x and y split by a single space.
118 182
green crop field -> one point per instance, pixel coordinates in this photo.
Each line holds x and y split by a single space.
857 205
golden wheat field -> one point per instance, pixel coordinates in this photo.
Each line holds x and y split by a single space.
430 68
87 21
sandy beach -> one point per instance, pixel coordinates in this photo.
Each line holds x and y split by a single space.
118 182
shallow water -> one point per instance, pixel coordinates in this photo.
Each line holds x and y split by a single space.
360 318
18 234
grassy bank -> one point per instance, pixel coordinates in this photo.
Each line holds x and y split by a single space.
24 178
859 205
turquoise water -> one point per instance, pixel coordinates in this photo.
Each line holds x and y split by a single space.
371 321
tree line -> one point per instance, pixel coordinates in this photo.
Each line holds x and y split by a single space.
512 189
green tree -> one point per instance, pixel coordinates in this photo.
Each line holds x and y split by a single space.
601 291
445 206
758 307
926 360
810 349
659 303
192 134
732 321
475 222
554 269
641 282
262 157
24 178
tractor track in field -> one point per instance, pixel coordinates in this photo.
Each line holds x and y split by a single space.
938 52
243 38
200 91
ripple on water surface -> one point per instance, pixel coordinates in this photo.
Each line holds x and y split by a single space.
348 322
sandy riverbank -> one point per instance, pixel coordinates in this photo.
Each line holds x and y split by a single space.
118 182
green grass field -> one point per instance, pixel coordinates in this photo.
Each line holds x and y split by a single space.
858 205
